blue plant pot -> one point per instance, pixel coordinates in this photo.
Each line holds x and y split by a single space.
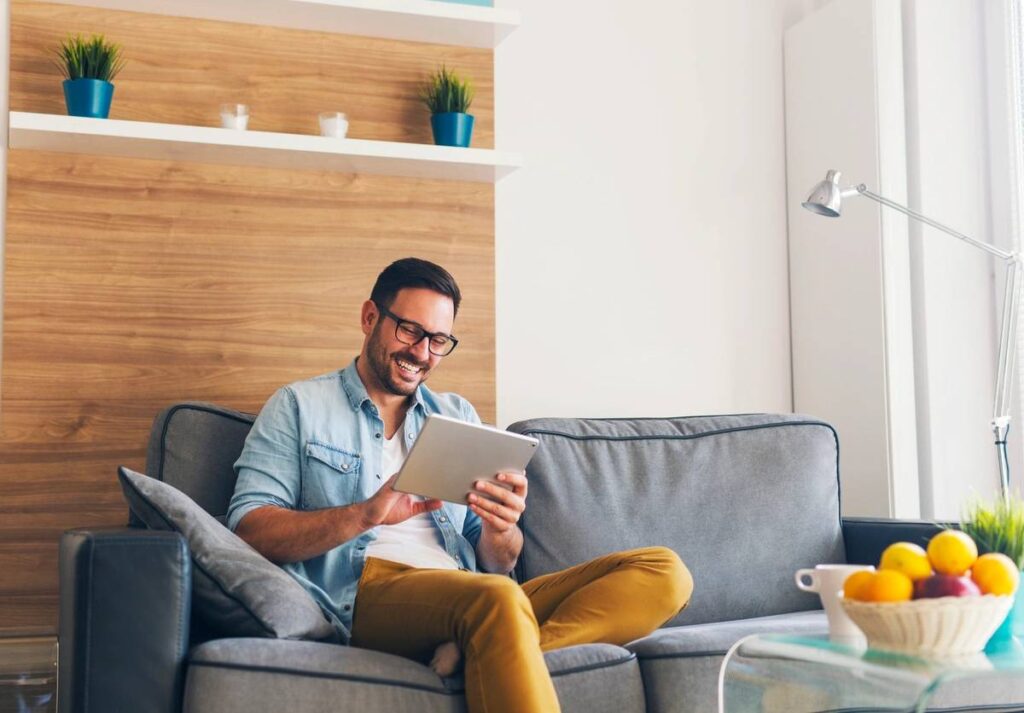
1012 626
88 97
452 129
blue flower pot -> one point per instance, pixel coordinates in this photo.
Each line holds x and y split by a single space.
1012 626
452 129
88 97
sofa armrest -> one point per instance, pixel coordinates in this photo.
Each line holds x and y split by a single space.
125 597
866 537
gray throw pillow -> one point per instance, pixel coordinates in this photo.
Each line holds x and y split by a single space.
236 591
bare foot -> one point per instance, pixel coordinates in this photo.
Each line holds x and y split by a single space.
447 659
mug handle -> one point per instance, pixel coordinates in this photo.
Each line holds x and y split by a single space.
810 574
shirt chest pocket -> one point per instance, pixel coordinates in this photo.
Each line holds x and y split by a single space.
329 477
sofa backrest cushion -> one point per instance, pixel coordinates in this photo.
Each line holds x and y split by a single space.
193 446
744 500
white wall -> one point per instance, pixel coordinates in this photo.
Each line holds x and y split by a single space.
641 252
850 291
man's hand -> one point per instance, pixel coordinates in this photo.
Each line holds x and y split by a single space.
499 508
389 507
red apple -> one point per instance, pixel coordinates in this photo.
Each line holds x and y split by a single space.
945 585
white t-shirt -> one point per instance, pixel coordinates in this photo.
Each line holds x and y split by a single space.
417 541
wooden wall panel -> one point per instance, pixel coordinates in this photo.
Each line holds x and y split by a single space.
179 71
131 284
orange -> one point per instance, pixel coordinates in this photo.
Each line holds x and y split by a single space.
888 585
908 558
995 573
855 586
952 552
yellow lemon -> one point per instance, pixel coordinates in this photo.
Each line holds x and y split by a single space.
952 552
888 585
908 558
855 586
995 573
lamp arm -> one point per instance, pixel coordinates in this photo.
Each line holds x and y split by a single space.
1004 372
1007 326
1002 254
1007 338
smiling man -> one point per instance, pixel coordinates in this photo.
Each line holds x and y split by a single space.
416 577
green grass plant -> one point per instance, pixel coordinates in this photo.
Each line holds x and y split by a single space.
446 92
92 58
998 527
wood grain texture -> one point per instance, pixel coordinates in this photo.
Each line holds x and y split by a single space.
132 284
180 71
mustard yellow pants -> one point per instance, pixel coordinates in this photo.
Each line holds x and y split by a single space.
502 627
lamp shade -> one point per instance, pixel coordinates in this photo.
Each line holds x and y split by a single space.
826 198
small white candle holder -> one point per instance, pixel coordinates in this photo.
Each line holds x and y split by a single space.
234 116
333 124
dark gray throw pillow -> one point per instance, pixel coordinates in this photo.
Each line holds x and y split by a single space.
236 591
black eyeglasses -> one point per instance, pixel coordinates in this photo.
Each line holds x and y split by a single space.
439 343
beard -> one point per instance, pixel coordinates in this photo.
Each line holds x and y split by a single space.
382 364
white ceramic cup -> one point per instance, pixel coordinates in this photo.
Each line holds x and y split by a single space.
234 116
333 124
826 580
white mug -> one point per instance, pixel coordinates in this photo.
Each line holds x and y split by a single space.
826 580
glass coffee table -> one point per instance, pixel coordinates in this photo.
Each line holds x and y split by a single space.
774 673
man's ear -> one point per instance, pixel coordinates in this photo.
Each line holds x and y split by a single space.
369 316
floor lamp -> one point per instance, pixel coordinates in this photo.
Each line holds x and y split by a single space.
827 198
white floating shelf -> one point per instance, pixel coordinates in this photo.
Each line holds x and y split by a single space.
413 20
203 144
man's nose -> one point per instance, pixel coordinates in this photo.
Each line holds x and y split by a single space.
421 349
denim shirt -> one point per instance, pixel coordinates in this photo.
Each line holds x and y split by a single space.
319 443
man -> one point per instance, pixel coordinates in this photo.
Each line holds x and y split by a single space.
411 576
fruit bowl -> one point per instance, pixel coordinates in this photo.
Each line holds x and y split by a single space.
942 626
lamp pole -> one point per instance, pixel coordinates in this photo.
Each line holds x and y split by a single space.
826 199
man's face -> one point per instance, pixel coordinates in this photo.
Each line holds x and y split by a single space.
398 367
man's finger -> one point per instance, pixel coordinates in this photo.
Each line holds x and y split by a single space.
503 496
509 515
516 480
493 520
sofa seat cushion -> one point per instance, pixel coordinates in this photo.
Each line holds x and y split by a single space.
255 675
680 664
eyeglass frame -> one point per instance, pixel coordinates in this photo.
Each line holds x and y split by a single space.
428 335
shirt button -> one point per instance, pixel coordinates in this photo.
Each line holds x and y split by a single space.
443 519
348 607
376 435
378 476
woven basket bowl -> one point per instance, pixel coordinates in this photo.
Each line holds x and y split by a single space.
944 626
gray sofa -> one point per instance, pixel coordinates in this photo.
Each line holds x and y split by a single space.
745 500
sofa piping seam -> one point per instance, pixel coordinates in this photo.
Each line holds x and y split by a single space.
596 666
323 674
688 655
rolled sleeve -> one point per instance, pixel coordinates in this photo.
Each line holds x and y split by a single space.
268 470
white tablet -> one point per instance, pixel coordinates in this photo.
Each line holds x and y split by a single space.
450 455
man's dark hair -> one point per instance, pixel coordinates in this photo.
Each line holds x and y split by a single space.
413 272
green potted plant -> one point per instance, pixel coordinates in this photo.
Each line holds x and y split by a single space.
89 65
448 97
1000 528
